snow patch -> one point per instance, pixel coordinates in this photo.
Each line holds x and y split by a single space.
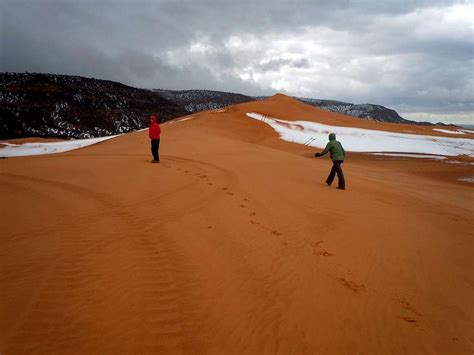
180 120
447 131
18 150
185 119
467 179
365 140
411 155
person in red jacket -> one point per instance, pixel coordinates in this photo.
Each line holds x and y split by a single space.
154 133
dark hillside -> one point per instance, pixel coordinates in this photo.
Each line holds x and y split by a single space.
63 106
203 100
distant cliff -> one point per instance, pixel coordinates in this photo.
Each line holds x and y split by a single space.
63 106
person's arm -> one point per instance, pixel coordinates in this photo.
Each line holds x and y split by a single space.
325 151
159 129
343 152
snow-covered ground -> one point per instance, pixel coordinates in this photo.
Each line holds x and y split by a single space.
439 157
366 140
178 120
448 131
467 179
458 162
185 119
17 150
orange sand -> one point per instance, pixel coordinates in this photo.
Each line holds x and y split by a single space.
234 244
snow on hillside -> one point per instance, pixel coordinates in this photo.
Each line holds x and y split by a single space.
17 150
63 106
365 140
202 100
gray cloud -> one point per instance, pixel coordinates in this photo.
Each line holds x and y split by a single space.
414 57
276 64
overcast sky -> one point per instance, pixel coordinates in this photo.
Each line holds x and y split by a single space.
416 57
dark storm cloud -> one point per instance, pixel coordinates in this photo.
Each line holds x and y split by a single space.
414 56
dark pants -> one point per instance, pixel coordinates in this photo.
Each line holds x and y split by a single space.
155 145
336 168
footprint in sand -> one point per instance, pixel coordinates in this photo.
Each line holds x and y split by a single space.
253 213
316 250
357 288
254 222
407 307
226 189
407 319
324 253
275 232
243 206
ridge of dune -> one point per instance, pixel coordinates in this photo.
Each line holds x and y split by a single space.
288 108
234 244
282 98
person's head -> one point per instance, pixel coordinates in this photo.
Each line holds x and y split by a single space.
152 119
332 136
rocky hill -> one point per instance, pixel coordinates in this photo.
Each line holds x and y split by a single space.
63 106
369 112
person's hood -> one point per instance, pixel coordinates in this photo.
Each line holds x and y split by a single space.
153 119
332 136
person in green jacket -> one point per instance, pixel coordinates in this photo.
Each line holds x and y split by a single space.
337 153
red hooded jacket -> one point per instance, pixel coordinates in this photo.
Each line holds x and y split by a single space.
155 130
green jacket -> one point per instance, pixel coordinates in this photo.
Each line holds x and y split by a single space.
334 148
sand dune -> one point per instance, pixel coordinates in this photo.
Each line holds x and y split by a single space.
234 244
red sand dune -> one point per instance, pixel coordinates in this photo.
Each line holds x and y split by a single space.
234 244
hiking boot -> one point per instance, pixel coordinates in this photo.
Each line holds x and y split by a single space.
155 161
340 188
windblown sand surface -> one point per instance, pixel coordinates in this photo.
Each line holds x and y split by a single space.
234 244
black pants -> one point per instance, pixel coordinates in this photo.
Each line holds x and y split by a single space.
155 146
336 168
